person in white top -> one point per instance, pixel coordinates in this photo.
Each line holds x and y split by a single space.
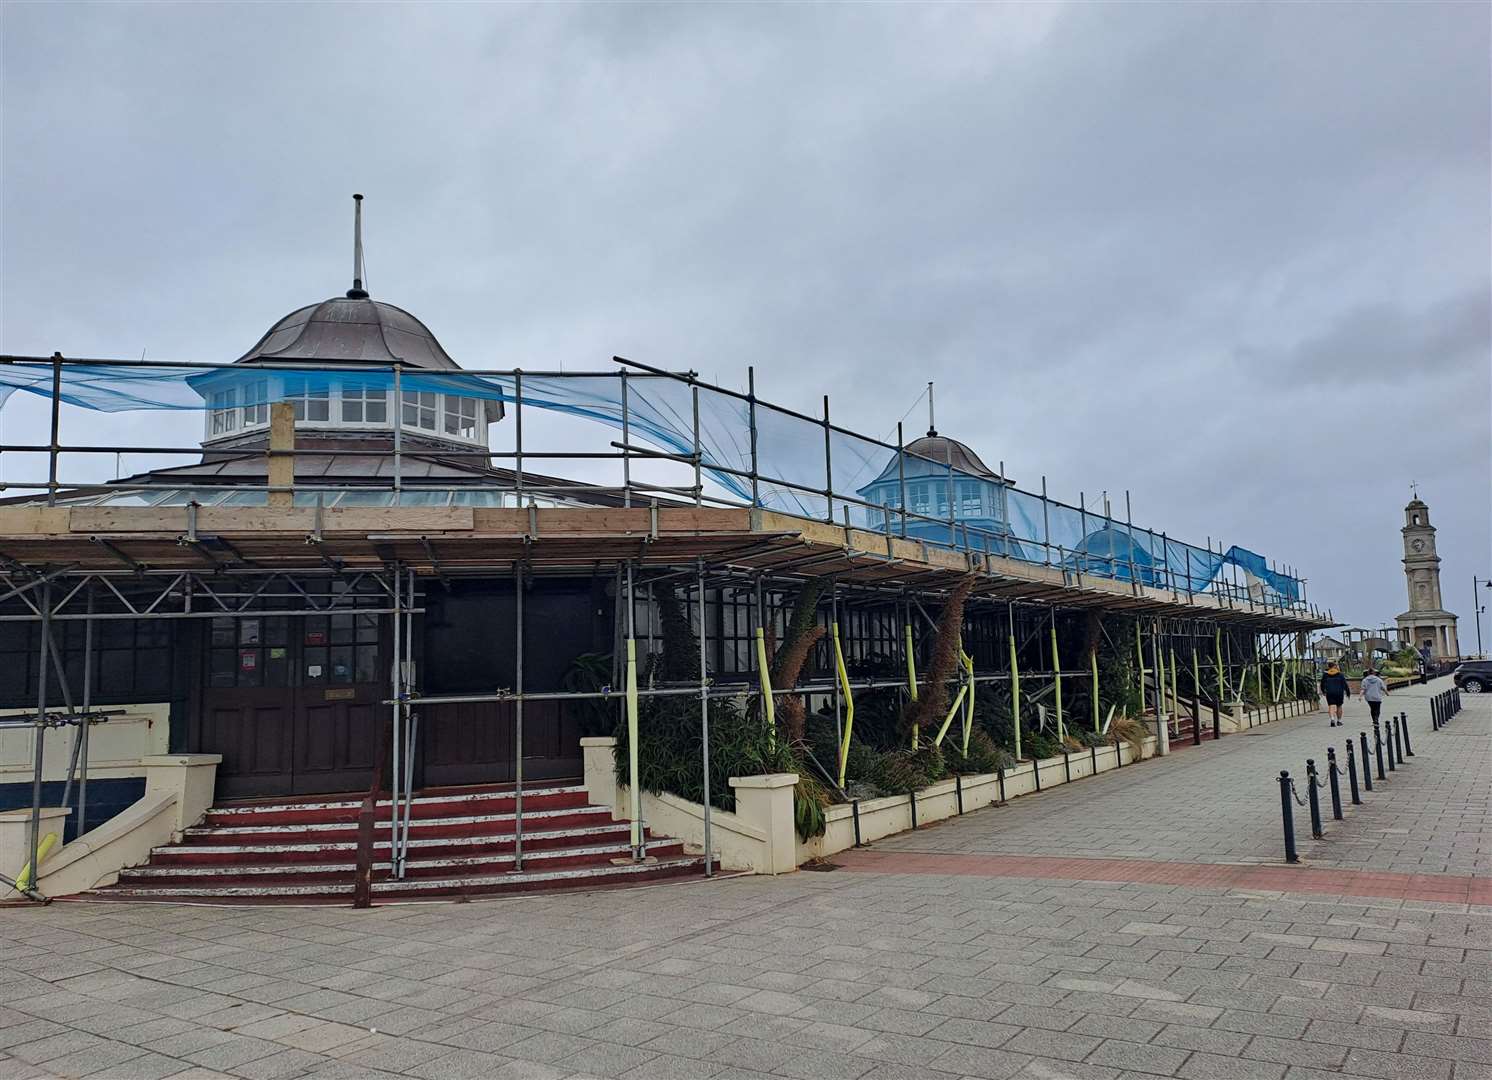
1374 690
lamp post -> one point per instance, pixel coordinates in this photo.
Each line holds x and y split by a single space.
1476 608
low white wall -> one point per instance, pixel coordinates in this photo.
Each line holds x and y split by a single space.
893 813
178 792
760 836
115 746
1241 717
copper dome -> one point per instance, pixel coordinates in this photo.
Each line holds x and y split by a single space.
354 329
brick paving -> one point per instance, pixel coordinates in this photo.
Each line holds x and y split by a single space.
1220 803
907 972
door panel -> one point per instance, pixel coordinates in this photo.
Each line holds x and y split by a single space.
469 743
335 743
252 729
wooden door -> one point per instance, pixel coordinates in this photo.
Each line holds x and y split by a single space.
248 705
292 703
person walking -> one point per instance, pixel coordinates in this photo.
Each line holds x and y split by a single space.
1374 690
1335 690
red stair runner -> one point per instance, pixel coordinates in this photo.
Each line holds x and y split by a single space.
461 842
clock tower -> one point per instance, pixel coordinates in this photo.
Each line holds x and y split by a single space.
1426 623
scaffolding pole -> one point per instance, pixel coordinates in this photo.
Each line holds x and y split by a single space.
518 579
704 719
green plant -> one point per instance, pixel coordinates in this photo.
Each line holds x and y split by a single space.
983 756
589 673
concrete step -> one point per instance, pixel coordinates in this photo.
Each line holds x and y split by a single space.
320 850
422 866
498 824
447 803
448 884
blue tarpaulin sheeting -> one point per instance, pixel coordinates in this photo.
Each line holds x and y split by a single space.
801 463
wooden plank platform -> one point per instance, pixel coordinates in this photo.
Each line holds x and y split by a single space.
480 541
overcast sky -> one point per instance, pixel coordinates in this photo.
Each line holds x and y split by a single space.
1232 258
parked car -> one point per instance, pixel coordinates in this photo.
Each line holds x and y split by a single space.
1474 676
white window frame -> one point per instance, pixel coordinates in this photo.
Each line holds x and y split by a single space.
420 404
460 417
362 399
222 417
303 398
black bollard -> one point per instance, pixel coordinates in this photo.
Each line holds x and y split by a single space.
1336 786
1217 731
1378 749
1352 775
1388 742
1367 763
1434 716
1398 728
1196 717
1287 814
1317 832
1404 727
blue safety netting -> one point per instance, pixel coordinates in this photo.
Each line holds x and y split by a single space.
799 464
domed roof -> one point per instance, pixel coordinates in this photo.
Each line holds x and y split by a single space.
352 328
931 455
946 451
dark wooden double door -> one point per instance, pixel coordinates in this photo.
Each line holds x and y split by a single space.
293 702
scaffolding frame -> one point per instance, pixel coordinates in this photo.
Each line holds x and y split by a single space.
975 543
220 581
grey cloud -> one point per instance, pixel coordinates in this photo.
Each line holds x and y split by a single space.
1179 249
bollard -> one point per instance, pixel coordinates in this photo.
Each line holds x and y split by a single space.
1378 749
1000 776
1196 717
1398 731
1336 785
1388 742
1404 727
855 813
1352 774
958 788
1287 814
1317 832
1367 763
1066 767
1435 724
1217 722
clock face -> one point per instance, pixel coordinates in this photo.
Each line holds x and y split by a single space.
1418 545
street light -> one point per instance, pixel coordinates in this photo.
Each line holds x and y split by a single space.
1477 609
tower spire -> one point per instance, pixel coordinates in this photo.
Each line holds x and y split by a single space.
357 292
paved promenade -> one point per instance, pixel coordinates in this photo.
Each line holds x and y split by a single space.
1124 948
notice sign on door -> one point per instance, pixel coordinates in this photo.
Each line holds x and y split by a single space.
248 659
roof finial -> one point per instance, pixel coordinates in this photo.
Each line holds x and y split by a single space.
1414 489
357 292
932 427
